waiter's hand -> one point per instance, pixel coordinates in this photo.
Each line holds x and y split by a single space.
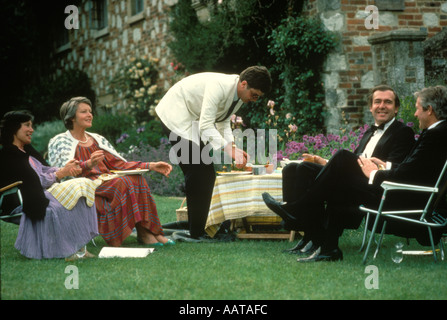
240 156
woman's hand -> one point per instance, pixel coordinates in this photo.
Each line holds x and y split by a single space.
96 158
72 169
161 167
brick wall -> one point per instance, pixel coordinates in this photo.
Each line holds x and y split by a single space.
348 74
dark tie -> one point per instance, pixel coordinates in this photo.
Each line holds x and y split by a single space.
230 111
374 127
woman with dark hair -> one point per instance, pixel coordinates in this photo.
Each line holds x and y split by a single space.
123 203
47 228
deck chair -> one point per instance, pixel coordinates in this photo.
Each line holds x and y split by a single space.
10 190
429 217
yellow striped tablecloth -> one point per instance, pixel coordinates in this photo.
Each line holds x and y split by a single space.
240 196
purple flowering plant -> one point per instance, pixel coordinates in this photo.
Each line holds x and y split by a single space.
322 145
326 146
292 146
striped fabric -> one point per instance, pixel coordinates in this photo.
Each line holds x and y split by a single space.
123 201
69 192
240 196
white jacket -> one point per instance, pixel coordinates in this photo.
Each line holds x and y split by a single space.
195 107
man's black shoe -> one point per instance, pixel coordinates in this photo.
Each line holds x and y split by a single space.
300 245
317 256
277 208
309 249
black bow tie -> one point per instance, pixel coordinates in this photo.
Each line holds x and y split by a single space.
374 127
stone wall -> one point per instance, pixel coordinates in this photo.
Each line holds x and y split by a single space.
348 72
100 53
435 54
398 59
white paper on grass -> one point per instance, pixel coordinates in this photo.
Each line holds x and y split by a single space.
111 252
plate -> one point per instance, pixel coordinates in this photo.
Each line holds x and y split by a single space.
233 173
126 172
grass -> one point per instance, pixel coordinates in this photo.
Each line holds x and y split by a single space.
239 270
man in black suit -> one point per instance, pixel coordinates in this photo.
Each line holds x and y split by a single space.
350 180
388 139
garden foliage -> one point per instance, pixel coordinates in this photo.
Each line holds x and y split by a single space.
135 88
267 32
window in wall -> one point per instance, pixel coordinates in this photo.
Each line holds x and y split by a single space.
136 7
99 14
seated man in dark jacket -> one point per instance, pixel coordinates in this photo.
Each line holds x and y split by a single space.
348 180
388 140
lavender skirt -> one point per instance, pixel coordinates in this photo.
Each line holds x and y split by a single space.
60 234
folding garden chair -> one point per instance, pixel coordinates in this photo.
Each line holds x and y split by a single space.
428 216
12 189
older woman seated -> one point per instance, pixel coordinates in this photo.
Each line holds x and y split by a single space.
47 229
122 203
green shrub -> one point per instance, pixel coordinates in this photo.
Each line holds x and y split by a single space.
44 132
406 113
135 87
148 134
300 46
159 184
260 32
111 126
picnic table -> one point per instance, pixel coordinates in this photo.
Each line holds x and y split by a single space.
238 198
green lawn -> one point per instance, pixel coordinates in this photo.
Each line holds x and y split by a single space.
239 270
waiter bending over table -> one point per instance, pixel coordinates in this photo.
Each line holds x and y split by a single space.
195 115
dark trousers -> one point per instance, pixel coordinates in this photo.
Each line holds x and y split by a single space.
297 179
199 181
324 210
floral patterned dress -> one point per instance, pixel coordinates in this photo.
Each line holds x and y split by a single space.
122 202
